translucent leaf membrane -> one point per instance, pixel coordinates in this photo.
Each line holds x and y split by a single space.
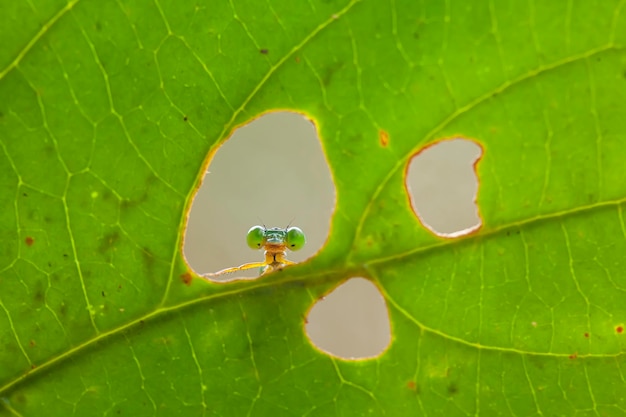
272 172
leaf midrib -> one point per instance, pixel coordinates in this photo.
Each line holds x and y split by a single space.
343 271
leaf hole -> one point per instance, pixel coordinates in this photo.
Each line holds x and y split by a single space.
351 322
271 171
442 184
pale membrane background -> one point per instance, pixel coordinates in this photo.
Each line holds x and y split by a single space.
273 171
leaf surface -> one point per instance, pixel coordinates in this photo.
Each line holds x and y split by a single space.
109 111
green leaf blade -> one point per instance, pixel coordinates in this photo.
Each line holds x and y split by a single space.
110 112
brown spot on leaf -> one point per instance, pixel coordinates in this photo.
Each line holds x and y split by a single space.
619 329
264 51
109 241
383 138
186 278
573 356
413 387
29 241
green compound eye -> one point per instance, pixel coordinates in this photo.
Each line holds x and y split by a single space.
255 237
295 238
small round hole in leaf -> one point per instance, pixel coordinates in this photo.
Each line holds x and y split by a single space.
352 322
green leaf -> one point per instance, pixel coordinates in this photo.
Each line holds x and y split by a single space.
107 113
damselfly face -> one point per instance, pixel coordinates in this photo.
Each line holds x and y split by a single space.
275 241
270 239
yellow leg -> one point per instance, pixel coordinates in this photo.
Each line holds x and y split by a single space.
243 267
275 266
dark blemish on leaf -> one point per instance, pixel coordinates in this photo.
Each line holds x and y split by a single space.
297 60
413 387
29 241
264 51
38 296
329 72
33 366
98 26
63 309
383 138
149 182
19 397
25 195
32 343
186 278
586 335
452 389
619 329
185 118
163 341
573 356
108 241
148 259
103 294
65 255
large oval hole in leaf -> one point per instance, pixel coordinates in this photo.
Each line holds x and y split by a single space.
271 171
442 185
352 322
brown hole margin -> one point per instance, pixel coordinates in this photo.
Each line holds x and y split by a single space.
343 352
465 232
194 272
